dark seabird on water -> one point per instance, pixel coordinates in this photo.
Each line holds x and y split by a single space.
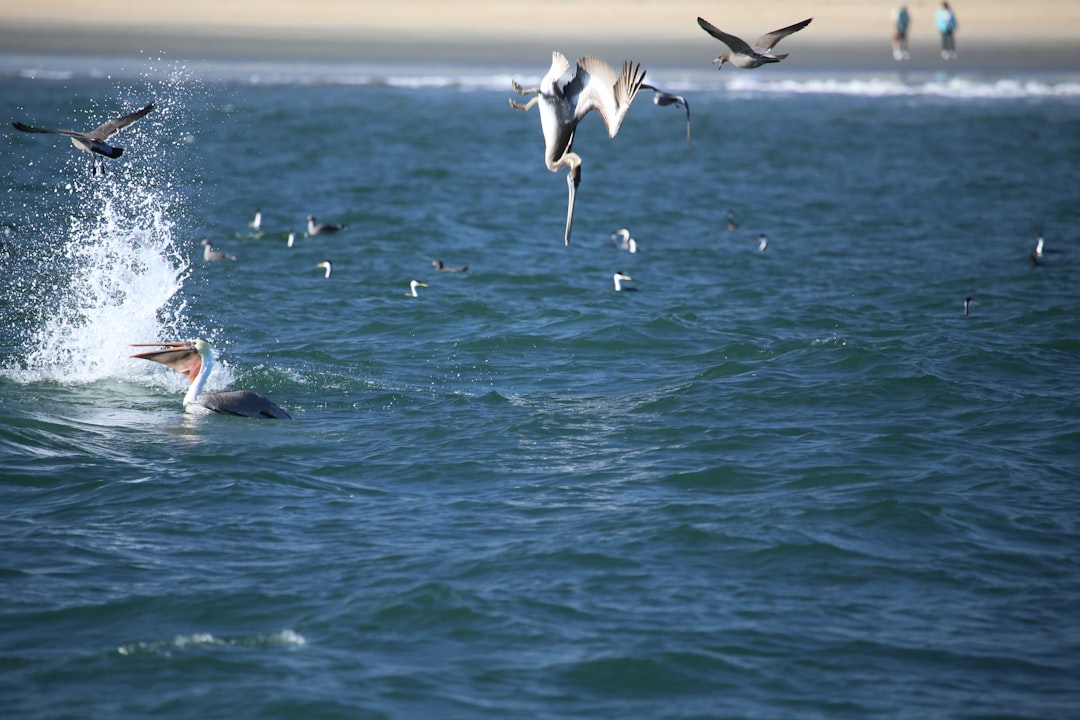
93 142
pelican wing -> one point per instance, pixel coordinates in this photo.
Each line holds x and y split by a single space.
769 40
600 90
736 44
242 402
104 131
559 66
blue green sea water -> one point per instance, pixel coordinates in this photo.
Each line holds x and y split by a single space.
798 483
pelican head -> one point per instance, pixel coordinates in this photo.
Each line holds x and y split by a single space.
326 264
186 357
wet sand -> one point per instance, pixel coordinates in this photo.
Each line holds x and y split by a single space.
992 33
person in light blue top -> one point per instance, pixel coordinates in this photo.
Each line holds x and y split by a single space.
946 25
901 19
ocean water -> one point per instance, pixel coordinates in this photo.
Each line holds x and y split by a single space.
791 483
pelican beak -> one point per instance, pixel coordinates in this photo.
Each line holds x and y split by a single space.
573 179
180 356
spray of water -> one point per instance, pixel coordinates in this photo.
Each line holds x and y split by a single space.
103 266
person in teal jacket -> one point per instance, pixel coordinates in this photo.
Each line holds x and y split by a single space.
946 25
901 19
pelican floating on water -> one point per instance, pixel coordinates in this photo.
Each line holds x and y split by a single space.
743 55
413 284
443 268
619 278
318 228
594 86
194 359
663 99
209 254
94 141
623 240
328 265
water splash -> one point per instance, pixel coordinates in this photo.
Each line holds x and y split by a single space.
102 265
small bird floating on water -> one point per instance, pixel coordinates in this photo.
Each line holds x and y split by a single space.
563 104
413 284
256 223
968 302
194 359
318 228
211 255
291 239
94 141
619 278
444 268
763 242
623 241
743 55
328 265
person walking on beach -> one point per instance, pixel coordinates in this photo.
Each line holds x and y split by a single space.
901 20
946 24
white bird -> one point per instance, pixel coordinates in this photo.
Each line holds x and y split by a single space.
443 268
211 255
745 56
1041 249
412 288
619 278
563 103
328 265
625 242
318 228
94 141
256 223
292 238
664 99
763 242
194 359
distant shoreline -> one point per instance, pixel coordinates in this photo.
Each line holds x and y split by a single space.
270 44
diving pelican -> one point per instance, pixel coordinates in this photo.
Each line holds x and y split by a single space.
318 228
256 223
412 288
194 359
328 265
763 242
94 141
746 56
619 279
968 302
593 86
625 242
209 254
443 268
664 99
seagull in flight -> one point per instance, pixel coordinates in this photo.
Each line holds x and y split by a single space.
747 56
94 141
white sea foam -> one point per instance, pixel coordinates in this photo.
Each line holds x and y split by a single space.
931 86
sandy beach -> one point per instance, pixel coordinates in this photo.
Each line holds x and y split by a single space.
1037 33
